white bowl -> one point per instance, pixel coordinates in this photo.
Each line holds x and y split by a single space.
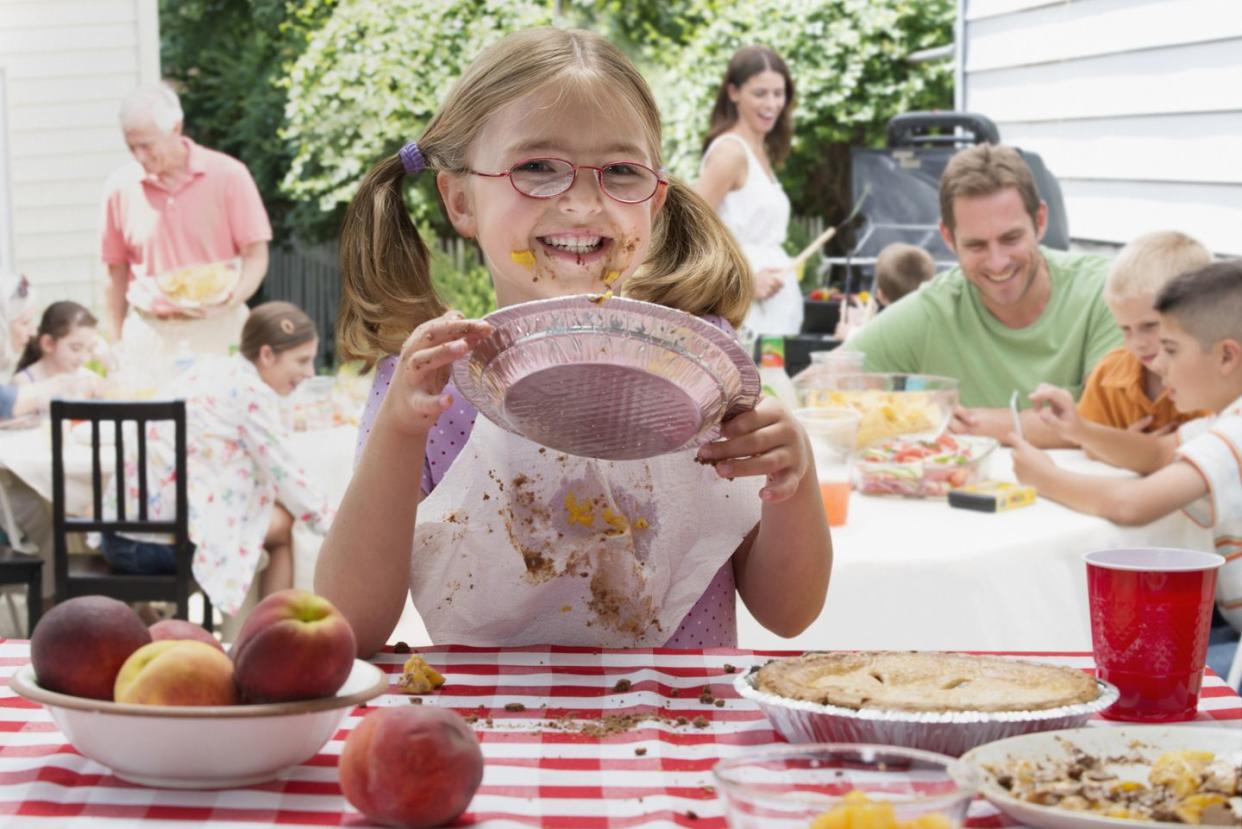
201 747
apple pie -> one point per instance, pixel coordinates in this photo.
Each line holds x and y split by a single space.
931 682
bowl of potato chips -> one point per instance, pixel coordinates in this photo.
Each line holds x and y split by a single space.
196 286
911 406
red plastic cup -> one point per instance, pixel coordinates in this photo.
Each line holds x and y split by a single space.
1151 609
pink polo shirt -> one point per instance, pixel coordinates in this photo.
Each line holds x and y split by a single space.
209 218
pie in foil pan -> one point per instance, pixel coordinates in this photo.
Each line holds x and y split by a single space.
614 379
951 732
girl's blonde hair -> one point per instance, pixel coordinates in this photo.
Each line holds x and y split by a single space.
1143 266
692 263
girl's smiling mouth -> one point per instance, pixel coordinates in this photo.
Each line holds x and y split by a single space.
581 248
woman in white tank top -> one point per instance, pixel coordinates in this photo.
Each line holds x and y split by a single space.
750 132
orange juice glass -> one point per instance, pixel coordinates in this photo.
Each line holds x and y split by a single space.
831 432
836 495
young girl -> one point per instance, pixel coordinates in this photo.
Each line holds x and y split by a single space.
751 127
546 152
244 485
64 341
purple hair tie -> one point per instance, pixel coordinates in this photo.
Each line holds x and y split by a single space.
412 159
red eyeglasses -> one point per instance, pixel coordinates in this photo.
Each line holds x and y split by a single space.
543 178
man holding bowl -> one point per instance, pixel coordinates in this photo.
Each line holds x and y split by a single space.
177 217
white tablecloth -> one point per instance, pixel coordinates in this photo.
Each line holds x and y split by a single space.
907 574
921 575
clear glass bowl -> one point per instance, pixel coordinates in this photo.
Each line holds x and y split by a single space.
914 406
894 467
789 786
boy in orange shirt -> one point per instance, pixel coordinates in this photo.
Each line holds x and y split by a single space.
1124 392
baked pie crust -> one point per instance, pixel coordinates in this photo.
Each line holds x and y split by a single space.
913 681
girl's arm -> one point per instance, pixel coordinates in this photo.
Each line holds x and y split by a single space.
782 568
1126 501
363 565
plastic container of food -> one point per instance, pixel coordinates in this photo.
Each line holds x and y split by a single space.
797 786
913 406
922 468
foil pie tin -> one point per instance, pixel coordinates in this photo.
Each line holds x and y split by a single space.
946 732
618 379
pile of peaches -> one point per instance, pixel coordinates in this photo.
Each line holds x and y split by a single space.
293 646
410 766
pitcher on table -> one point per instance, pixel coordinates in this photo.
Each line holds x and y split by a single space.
572 201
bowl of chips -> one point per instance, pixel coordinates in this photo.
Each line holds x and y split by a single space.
196 286
911 406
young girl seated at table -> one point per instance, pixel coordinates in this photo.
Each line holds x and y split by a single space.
245 487
547 152
64 341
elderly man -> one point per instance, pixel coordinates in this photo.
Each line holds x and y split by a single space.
1013 314
178 204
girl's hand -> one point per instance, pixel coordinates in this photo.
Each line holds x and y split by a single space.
416 398
764 441
1057 410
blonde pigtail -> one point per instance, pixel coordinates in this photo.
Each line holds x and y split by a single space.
694 264
386 288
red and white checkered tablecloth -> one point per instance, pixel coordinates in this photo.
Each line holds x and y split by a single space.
536 773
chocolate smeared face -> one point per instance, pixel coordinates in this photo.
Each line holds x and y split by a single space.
581 240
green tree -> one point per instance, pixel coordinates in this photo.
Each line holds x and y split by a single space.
229 60
370 81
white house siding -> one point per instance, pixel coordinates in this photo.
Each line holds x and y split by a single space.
1135 105
65 66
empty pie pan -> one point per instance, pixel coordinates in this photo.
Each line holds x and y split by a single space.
946 732
617 379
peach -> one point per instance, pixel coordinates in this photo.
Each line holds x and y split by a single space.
293 645
80 644
411 767
176 672
181 629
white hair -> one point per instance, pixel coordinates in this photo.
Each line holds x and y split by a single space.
156 104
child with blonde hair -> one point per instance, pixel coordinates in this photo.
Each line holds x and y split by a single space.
1125 408
1200 362
547 152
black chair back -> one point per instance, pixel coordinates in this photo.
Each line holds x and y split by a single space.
91 575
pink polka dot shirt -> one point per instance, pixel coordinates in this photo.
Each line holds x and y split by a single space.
711 623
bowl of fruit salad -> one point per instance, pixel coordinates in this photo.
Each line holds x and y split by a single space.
922 468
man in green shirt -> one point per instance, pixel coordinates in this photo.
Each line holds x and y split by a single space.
1012 314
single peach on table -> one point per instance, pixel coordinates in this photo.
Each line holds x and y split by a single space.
411 767
80 644
176 672
293 645
182 629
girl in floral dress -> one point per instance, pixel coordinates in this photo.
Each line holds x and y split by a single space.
245 487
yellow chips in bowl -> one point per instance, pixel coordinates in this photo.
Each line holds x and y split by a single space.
198 284
915 406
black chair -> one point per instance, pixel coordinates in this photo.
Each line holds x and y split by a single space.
19 568
87 575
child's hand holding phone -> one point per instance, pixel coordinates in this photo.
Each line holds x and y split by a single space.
1058 411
